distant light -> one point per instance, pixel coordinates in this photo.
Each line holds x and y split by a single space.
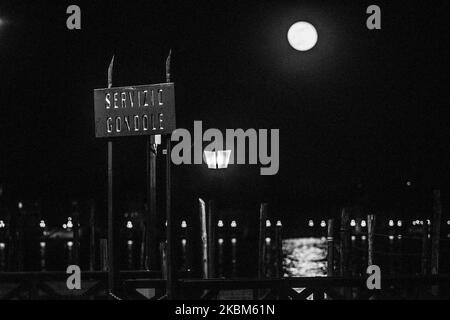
352 223
311 223
268 240
183 242
302 36
399 223
220 223
69 224
268 224
2 245
363 223
233 224
233 240
129 225
428 221
130 242
391 237
20 205
220 241
42 244
448 222
64 226
69 243
42 224
69 218
183 224
391 223
363 237
399 236
353 238
280 225
323 224
2 224
408 183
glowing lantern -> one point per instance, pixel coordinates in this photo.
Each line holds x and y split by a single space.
217 159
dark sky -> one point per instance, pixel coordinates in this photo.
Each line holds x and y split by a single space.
361 113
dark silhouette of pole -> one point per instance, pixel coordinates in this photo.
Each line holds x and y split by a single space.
211 239
76 234
92 237
424 254
330 253
371 220
435 236
113 272
345 243
262 240
171 269
151 225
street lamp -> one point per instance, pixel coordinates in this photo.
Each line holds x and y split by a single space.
217 159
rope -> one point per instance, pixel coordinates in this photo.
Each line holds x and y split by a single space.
114 296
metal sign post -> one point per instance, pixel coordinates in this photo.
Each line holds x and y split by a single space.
151 229
113 272
135 111
171 270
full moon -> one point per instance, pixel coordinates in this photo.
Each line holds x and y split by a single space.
302 36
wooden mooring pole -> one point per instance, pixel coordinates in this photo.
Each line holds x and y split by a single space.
330 251
424 254
170 230
163 254
262 240
103 254
92 237
76 234
371 220
204 238
435 235
279 249
211 239
345 243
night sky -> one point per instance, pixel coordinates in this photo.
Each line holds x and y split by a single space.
359 115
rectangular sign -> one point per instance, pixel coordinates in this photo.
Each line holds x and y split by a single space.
134 110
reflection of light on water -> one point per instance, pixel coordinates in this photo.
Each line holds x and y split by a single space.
305 257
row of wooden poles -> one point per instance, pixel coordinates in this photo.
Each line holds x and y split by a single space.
270 253
340 266
19 245
269 244
214 243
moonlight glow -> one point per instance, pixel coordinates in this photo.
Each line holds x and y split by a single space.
302 36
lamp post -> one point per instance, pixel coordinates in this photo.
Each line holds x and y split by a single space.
217 160
214 160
